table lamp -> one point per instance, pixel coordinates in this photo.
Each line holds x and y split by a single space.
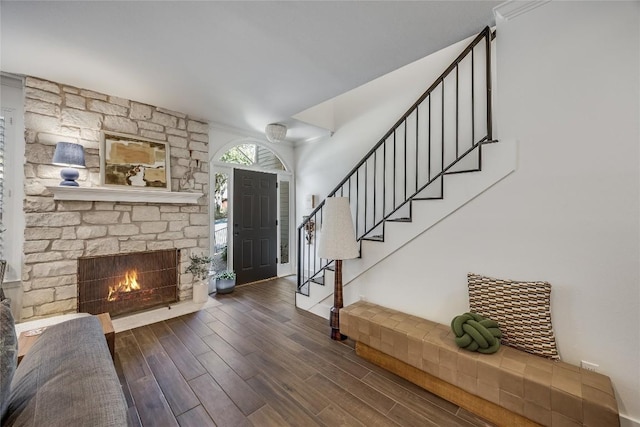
71 156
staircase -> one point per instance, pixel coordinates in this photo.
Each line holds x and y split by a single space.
397 190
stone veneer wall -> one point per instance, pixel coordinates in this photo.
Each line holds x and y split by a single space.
58 232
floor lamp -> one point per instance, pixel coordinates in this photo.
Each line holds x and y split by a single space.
337 241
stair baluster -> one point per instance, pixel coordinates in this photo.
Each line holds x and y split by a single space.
428 172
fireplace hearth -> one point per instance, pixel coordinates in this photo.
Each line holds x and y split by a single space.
126 283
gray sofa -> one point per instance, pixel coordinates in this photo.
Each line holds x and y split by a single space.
66 379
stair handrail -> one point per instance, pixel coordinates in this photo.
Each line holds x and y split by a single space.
485 34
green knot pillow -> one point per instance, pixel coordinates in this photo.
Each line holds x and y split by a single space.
476 333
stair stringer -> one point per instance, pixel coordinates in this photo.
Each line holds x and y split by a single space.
498 161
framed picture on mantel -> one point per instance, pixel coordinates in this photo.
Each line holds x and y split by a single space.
134 162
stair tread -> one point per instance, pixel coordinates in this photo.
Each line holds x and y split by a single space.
377 238
462 171
428 198
399 220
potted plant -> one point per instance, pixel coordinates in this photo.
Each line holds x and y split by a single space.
225 282
199 267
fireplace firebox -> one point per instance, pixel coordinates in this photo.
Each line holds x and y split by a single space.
125 283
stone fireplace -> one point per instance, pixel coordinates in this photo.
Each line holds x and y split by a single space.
60 231
126 283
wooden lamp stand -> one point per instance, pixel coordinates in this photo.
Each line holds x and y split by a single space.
334 319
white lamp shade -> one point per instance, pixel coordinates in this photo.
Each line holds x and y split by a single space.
337 239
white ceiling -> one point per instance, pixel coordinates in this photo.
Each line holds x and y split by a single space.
237 63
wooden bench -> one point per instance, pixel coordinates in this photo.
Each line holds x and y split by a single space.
509 388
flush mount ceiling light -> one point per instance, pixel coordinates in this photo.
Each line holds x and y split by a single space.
275 132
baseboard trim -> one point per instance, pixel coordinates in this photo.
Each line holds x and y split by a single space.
626 421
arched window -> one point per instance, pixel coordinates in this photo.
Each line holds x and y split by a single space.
252 155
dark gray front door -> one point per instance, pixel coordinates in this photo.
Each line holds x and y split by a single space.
254 225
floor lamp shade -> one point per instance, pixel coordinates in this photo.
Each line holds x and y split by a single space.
71 156
337 238
337 241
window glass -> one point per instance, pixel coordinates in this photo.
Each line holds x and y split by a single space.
252 155
220 222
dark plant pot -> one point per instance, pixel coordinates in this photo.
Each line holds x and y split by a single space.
225 286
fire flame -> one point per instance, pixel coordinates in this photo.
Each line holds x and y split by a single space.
130 283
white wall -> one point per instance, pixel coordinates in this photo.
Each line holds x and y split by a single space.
568 92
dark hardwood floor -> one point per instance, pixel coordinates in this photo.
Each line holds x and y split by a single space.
257 360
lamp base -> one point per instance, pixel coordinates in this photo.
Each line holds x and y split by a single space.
69 176
334 322
334 313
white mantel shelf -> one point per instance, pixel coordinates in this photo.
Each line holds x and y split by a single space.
108 194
